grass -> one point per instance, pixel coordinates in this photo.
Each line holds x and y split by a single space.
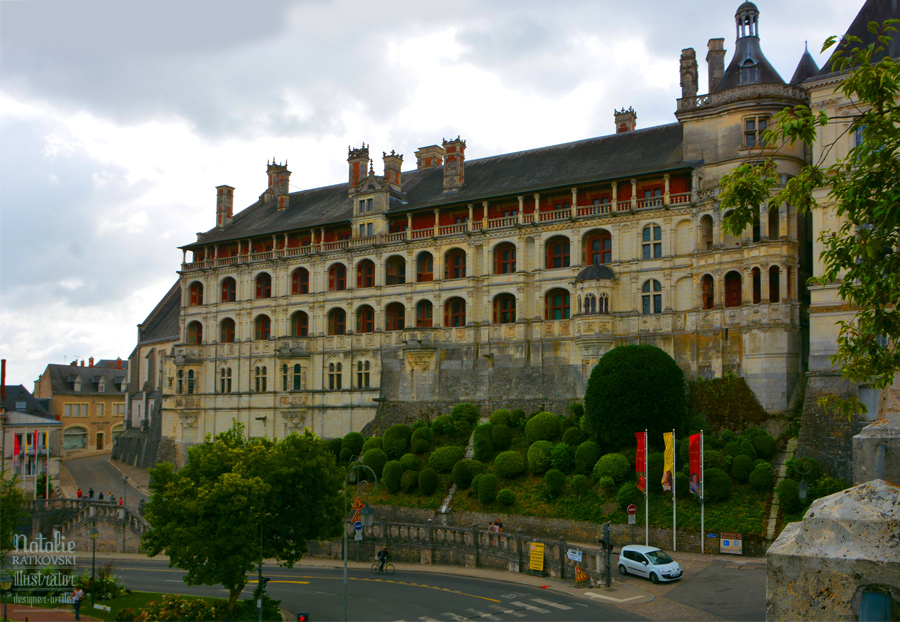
135 601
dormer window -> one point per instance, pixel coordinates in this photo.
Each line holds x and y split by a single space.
749 72
365 206
754 130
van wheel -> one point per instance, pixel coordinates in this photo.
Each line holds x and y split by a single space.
654 578
622 570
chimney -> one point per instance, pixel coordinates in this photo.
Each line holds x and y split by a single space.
454 165
224 206
82 362
429 157
688 73
715 61
91 362
279 183
119 362
358 159
392 166
626 120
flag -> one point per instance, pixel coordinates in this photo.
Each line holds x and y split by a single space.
17 447
669 466
695 444
640 459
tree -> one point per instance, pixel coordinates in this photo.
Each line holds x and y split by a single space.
630 389
12 512
863 187
208 517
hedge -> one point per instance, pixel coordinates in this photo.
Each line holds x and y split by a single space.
580 484
506 497
465 412
442 459
563 457
500 416
501 436
391 475
539 457
717 486
509 464
516 416
543 426
334 446
354 442
586 457
464 471
574 436
410 462
614 465
607 483
428 481
741 467
629 494
481 442
408 481
761 477
554 483
373 442
442 425
420 446
765 446
426 433
375 459
788 492
488 486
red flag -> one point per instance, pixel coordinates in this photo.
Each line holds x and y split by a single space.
17 447
695 444
639 460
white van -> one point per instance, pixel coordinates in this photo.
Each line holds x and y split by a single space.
648 561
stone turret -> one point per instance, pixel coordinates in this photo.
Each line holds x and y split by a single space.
454 164
392 173
224 206
358 161
688 74
429 157
626 120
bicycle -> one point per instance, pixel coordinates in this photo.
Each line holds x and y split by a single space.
388 568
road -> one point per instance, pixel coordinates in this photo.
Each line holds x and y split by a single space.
96 472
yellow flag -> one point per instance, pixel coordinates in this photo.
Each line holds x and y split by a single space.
669 465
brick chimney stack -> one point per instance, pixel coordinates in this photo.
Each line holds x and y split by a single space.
715 61
224 206
91 361
689 79
358 159
429 157
626 120
454 165
393 163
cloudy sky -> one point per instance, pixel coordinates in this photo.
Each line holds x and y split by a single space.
118 119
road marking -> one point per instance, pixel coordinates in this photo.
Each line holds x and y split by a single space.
482 614
458 618
610 598
512 595
283 581
427 619
530 607
550 604
506 611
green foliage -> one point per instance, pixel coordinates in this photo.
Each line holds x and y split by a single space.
747 449
501 436
408 481
12 500
236 486
826 485
172 608
655 464
463 472
428 481
765 446
474 484
375 459
424 432
539 456
442 425
788 492
580 484
608 484
732 448
563 457
613 465
797 467
410 462
717 486
682 485
396 440
481 442
506 497
554 483
761 477
629 494
516 417
442 459
574 436
420 446
576 409
566 424
391 474
488 487
334 446
727 402
713 459
543 426
461 427
741 467
465 412
586 457
509 464
726 436
373 442
346 455
354 442
697 424
500 417
631 388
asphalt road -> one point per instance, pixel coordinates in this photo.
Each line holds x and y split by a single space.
730 591
96 472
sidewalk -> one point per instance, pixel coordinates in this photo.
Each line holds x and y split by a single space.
39 614
140 478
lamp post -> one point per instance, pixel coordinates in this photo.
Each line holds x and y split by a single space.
5 583
94 534
367 514
803 467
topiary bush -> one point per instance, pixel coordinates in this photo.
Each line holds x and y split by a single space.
576 409
563 457
629 494
506 497
442 425
334 446
741 467
391 475
481 442
509 464
424 432
408 481
732 448
488 486
462 427
682 485
615 466
608 484
428 481
717 486
375 459
420 446
697 424
539 457
516 417
713 459
788 492
373 442
442 459
463 472
574 437
765 446
410 462
501 436
474 485
554 483
346 454
761 477
747 449
566 424
465 412
543 426
586 457
796 466
580 484
655 465
500 417
354 442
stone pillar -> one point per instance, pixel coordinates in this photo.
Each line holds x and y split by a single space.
666 195
763 222
783 283
437 221
615 195
633 193
561 544
574 207
537 207
521 212
764 284
408 226
471 216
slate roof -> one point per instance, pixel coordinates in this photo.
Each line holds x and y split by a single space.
25 420
595 272
162 323
63 378
748 47
806 68
18 393
872 11
652 150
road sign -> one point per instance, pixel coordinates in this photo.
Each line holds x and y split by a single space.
632 509
357 525
574 555
580 575
358 504
631 519
358 536
536 559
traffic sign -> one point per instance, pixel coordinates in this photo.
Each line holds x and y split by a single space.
358 504
631 518
355 518
632 509
357 525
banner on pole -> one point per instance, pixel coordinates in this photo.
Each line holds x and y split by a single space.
669 466
694 453
640 460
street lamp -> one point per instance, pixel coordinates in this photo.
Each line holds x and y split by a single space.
803 467
5 583
366 517
94 534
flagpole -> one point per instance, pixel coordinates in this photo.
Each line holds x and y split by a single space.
702 499
674 518
47 462
646 495
35 441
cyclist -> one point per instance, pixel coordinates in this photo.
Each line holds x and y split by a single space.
383 557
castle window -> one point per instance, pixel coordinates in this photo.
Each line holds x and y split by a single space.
229 289
263 328
190 382
337 278
424 268
260 377
706 233
395 271
651 297
558 252
556 305
196 294
264 285
455 312
365 274
707 291
362 374
297 377
395 317
424 312
335 376
652 242
366 230
456 264
180 385
505 259
195 333
599 248
225 380
337 322
749 72
299 324
774 284
733 284
756 280
226 331
754 128
774 224
365 319
505 309
589 306
603 306
300 281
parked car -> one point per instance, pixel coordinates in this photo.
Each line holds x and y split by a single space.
648 561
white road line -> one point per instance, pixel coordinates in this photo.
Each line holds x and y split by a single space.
550 604
610 598
511 612
482 614
511 595
427 619
530 607
456 617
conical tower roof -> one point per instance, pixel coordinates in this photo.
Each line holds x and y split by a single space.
806 68
748 65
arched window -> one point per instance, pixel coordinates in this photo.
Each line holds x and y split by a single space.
226 331
335 376
337 322
652 242
263 285
195 333
757 226
190 381
75 438
774 223
395 317
756 279
651 297
598 248
733 284
337 278
260 378
603 304
707 291
424 267
395 270
589 305
225 380
300 281
362 374
774 284
706 233
365 319
297 378
505 258
196 294
262 328
229 289
558 252
455 312
180 384
455 267
749 73
556 305
299 324
365 274
505 309
424 311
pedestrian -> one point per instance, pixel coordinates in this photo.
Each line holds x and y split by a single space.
77 597
78 493
100 496
90 493
121 501
112 498
499 525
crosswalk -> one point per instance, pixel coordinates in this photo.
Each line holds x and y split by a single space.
514 606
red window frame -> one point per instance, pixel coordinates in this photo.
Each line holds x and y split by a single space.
395 317
708 291
337 278
505 309
262 328
599 244
365 319
195 333
365 274
395 271
196 294
229 289
263 285
424 268
558 253
505 259
226 332
300 281
733 285
455 313
456 264
337 322
300 324
424 314
557 300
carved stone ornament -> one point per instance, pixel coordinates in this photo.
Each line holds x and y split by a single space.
294 420
188 420
419 361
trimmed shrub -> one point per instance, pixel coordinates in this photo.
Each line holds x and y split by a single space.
810 465
464 471
391 475
506 497
410 462
442 425
747 449
580 484
761 477
629 494
425 432
428 481
442 459
741 467
574 436
765 446
726 436
566 424
501 436
375 442
717 486
586 457
481 442
396 440
353 441
684 451
516 417
732 448
563 457
576 409
509 464
346 454
608 484
554 483
334 446
408 481
615 466
375 459
462 428
500 416
539 456
418 424
754 431
630 453
543 426
473 487
826 485
421 446
465 412
488 486
788 492
697 424
682 485
713 459
655 464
